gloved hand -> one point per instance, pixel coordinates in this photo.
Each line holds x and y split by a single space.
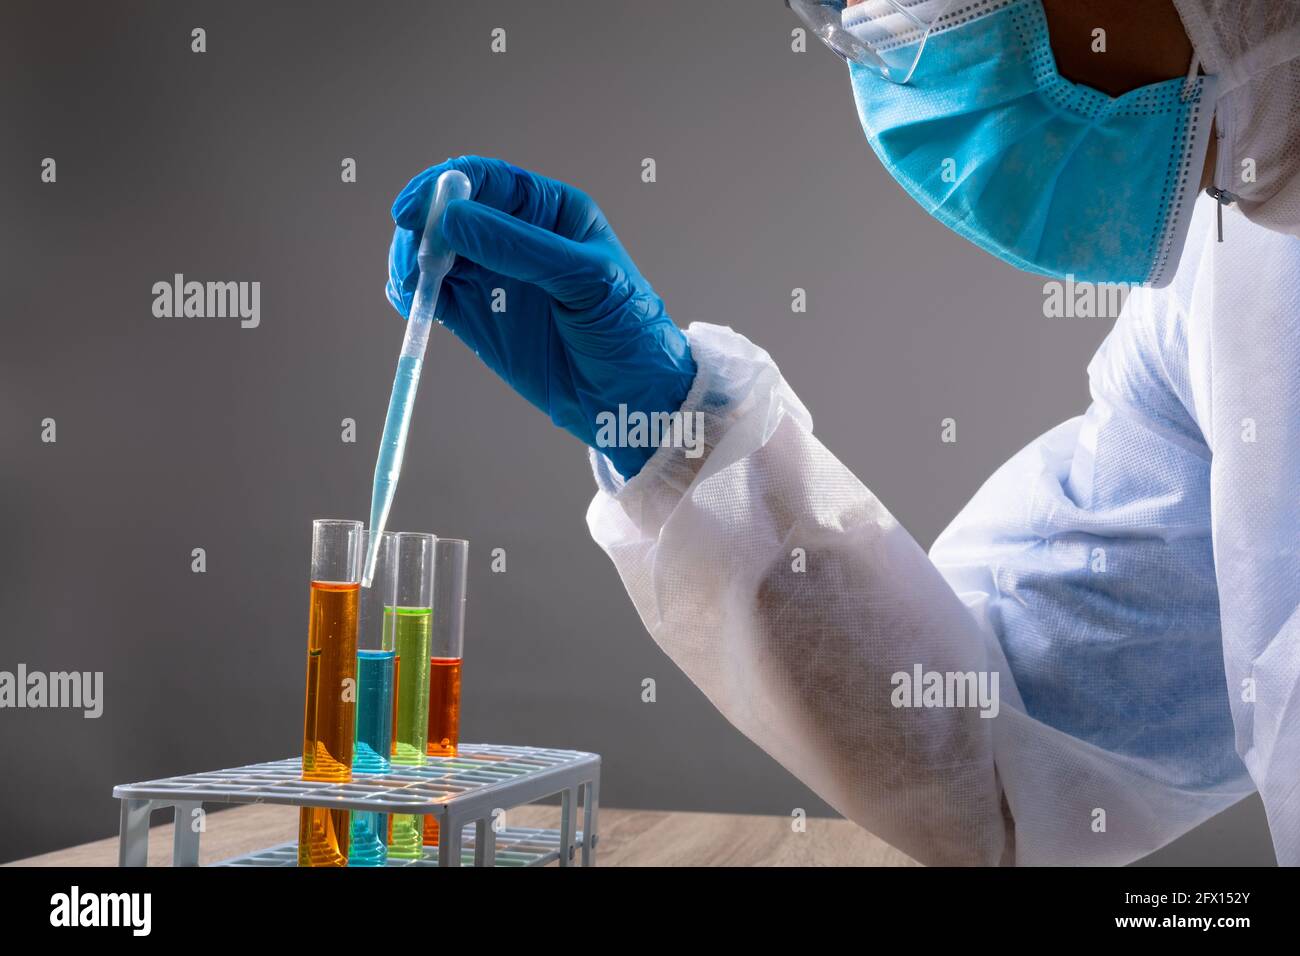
582 331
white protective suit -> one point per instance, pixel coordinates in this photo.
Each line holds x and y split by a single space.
1132 576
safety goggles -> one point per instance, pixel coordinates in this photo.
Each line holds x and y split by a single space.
887 36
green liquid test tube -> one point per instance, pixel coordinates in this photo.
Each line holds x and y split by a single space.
410 630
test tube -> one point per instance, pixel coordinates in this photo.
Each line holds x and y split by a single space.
330 712
411 616
375 657
447 651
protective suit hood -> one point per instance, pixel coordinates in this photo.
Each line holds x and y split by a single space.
1253 46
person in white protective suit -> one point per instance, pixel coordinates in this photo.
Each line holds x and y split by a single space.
1130 580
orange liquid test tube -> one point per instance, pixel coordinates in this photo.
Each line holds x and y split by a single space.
329 710
444 706
444 721
447 647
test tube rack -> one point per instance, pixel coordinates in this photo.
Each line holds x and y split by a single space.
467 794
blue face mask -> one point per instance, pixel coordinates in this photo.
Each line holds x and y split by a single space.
1050 176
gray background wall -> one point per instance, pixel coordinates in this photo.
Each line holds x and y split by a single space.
175 434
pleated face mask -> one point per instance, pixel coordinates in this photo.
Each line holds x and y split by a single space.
1051 176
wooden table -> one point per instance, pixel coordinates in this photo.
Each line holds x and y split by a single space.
627 838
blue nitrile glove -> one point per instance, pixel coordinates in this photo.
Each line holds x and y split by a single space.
582 331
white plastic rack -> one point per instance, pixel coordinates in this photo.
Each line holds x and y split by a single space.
465 793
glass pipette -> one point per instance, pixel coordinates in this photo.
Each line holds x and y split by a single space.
434 260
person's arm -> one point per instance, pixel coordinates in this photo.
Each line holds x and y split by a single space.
767 571
791 597
1254 414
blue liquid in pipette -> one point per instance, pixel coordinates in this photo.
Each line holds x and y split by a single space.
388 466
434 259
371 753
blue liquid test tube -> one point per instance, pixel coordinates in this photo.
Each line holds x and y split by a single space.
374 725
